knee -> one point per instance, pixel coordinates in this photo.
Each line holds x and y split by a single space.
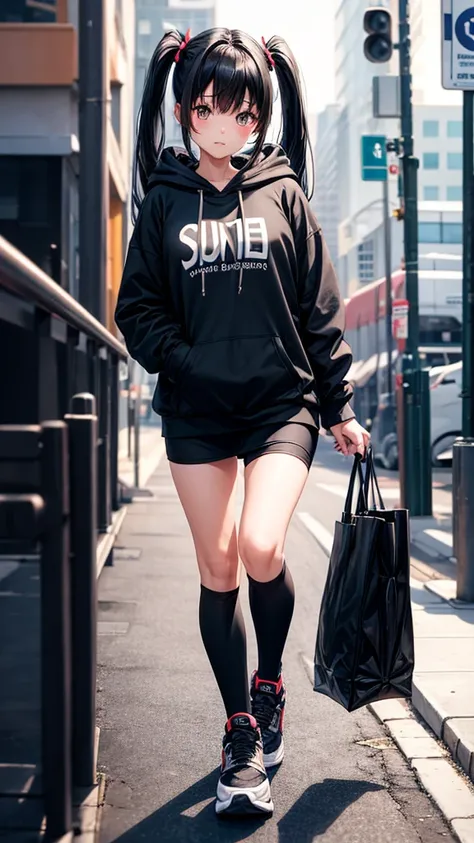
219 569
261 555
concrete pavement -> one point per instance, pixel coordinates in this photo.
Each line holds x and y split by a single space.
162 720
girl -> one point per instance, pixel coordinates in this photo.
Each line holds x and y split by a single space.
229 294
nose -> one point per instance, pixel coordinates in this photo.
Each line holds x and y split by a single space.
222 130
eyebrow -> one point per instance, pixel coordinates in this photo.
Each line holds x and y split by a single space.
210 96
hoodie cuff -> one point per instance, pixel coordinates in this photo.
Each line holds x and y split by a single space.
333 415
175 361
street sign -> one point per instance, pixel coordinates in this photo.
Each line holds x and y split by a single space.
374 158
457 38
400 309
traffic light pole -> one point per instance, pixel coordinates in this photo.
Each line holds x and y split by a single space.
388 290
413 403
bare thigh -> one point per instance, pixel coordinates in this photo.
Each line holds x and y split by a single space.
273 486
207 494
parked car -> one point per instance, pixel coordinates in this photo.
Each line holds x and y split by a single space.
446 419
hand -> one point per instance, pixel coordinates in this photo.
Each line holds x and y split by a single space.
351 438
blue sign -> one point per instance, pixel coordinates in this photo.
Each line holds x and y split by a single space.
374 158
464 29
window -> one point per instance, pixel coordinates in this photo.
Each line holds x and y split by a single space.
28 11
454 160
452 232
429 232
365 261
437 232
144 27
430 128
144 46
454 193
116 91
431 161
431 194
454 128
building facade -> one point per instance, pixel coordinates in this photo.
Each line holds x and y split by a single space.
39 134
154 18
326 197
437 131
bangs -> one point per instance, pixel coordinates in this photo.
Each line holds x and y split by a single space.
235 78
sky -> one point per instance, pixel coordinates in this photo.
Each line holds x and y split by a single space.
307 26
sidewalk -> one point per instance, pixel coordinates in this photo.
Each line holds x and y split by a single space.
147 604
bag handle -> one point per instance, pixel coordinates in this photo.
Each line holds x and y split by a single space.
356 473
371 479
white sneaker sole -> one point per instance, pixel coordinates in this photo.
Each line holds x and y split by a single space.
271 759
243 801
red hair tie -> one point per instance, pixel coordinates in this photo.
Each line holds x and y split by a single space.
268 54
183 44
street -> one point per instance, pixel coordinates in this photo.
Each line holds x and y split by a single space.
161 718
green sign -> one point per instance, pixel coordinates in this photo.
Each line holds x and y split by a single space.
374 158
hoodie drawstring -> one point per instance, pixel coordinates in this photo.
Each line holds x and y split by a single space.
200 215
242 215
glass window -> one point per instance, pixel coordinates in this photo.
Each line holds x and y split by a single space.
431 161
365 261
430 128
28 11
454 193
454 160
451 232
430 194
116 91
144 27
454 128
429 232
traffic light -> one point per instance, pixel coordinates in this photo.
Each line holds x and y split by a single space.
378 46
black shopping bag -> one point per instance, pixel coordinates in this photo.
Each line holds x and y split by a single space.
364 646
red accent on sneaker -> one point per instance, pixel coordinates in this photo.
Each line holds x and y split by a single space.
230 724
276 685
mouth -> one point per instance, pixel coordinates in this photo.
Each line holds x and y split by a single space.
219 143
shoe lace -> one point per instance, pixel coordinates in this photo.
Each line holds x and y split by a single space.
263 709
243 745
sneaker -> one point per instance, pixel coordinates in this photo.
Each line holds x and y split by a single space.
243 786
268 707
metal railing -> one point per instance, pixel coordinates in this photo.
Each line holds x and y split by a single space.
59 487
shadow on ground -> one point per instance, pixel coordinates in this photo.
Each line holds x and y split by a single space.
190 817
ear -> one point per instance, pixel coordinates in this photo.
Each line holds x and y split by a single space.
177 112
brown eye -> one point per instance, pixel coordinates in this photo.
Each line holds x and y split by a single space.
202 111
245 118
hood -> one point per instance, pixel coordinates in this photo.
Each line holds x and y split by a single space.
176 169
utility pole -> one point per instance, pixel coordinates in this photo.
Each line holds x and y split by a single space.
413 401
388 291
463 450
93 175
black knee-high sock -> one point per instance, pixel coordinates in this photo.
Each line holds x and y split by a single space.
223 634
272 604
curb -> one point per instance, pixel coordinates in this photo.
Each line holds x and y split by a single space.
434 770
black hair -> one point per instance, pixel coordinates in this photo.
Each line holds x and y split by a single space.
235 63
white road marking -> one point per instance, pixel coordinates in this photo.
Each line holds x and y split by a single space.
321 534
341 491
440 536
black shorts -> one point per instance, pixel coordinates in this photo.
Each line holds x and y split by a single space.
296 439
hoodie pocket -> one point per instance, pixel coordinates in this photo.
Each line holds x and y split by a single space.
240 376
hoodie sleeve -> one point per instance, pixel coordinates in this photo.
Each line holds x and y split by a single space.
322 317
144 312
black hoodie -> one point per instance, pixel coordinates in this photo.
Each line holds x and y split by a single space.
231 296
